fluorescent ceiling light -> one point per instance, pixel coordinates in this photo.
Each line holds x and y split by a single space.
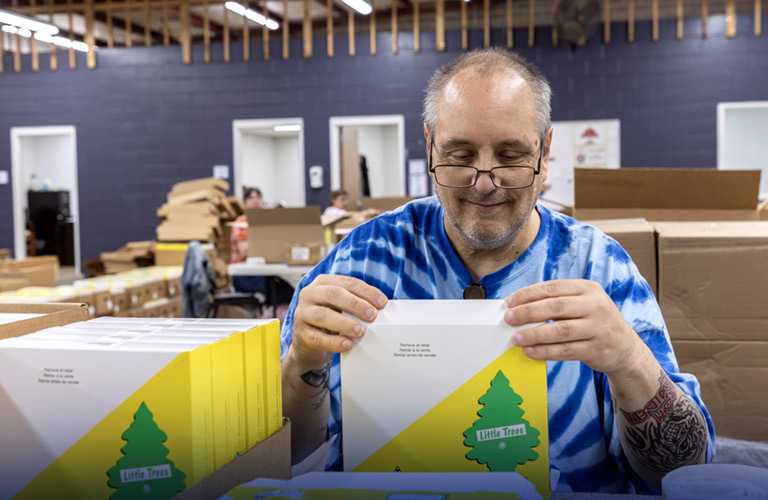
251 15
63 42
286 128
24 32
360 6
10 29
27 22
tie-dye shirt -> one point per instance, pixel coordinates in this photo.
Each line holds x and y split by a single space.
407 255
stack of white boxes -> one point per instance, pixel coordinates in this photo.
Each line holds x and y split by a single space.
125 403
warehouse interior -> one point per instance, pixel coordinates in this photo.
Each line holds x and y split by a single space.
156 99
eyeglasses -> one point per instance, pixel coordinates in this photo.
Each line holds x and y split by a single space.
464 176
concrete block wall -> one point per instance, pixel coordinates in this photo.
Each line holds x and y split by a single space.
145 121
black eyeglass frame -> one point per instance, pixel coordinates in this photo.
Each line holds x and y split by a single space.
536 171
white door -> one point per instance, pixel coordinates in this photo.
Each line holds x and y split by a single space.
44 158
381 141
269 155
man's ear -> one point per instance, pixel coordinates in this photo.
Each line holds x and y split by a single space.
426 136
545 156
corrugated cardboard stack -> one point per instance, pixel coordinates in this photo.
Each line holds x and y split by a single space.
199 209
130 256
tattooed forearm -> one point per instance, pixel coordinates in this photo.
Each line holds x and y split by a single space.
668 432
319 379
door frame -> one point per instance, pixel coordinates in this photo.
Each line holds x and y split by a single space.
18 174
337 122
240 126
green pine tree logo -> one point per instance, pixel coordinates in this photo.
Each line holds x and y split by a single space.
501 438
145 472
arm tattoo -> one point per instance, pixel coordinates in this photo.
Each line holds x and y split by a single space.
320 379
667 432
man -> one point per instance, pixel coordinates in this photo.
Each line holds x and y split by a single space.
620 413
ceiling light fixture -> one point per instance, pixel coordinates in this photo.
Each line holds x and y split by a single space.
286 128
252 15
63 42
360 6
30 24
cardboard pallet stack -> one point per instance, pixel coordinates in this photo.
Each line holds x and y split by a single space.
200 209
141 405
132 255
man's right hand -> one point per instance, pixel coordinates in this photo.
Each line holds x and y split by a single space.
320 328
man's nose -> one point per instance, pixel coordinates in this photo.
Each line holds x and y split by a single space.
484 181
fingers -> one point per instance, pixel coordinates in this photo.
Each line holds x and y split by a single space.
558 307
319 324
550 289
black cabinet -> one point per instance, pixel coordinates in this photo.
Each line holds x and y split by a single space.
51 222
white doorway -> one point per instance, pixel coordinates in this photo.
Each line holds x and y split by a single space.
45 159
381 140
269 154
741 143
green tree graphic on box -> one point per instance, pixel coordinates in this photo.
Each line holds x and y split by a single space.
501 438
145 472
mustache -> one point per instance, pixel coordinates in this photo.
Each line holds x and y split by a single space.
490 199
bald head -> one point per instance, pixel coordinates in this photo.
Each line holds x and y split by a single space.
487 65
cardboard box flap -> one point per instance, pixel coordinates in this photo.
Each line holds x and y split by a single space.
53 315
666 188
194 184
304 216
713 230
622 225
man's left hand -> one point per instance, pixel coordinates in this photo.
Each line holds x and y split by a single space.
585 325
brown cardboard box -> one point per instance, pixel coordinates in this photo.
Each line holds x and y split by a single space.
173 231
174 307
201 208
763 210
38 271
173 254
733 383
8 284
304 254
270 230
54 315
270 458
712 279
102 301
385 204
203 183
638 238
120 303
173 287
661 194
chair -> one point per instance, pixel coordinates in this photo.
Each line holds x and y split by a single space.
200 299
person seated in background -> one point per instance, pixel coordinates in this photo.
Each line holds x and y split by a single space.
337 206
253 198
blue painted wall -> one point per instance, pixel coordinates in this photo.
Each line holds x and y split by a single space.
145 120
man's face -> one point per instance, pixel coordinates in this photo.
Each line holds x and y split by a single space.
486 122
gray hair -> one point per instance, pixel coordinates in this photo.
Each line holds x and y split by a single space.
486 63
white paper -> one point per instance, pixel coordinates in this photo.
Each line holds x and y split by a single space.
414 340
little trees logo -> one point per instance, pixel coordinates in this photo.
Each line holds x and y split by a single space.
145 472
501 438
